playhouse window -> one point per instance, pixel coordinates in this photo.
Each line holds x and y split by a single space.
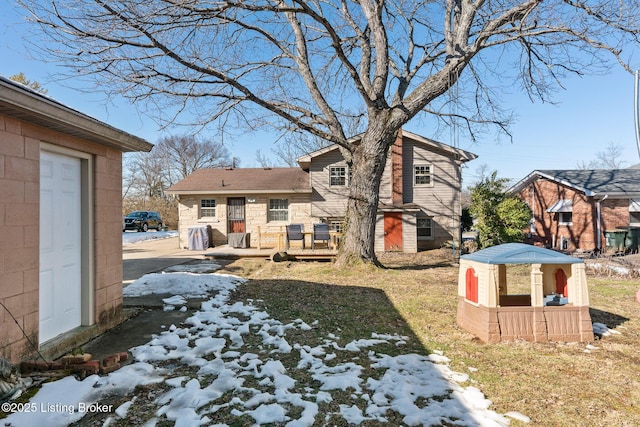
516 289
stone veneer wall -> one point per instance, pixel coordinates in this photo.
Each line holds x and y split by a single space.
19 231
255 215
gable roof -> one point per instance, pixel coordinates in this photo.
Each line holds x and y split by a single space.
22 103
462 155
595 182
248 180
520 253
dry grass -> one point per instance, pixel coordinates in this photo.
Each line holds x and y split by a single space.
555 384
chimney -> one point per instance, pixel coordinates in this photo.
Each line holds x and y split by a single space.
396 170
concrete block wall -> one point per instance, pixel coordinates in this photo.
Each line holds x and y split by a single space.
19 238
19 231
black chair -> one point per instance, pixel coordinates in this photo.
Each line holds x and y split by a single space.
295 232
321 233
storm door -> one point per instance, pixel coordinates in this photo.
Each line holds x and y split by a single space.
236 215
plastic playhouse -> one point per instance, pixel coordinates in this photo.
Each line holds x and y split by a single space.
555 309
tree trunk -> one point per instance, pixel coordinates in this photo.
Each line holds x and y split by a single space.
369 158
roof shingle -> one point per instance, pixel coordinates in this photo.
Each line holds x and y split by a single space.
255 180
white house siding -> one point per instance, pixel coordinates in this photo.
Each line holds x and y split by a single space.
327 201
256 210
441 201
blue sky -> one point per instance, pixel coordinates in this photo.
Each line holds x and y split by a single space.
592 112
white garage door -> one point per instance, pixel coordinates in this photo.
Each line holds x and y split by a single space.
60 244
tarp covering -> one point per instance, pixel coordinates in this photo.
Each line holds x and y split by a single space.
520 253
198 238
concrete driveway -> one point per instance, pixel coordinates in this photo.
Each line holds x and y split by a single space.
154 255
146 314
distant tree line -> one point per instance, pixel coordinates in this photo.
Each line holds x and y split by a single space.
146 176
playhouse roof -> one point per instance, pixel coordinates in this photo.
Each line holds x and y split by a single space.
520 253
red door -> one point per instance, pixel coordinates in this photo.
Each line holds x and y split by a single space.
561 283
471 285
393 231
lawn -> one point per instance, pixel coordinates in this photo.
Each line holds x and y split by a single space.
555 384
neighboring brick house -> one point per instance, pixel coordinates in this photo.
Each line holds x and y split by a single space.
61 204
419 196
581 209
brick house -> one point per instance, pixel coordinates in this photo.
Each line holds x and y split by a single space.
581 209
419 206
61 204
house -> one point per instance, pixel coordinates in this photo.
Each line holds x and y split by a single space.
419 196
61 247
583 209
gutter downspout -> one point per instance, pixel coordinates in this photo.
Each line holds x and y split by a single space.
599 222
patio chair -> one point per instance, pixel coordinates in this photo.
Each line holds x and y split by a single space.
295 232
320 233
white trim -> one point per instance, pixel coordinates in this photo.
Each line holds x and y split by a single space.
215 208
431 174
561 222
87 226
346 175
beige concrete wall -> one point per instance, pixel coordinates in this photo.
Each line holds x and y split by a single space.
19 230
256 215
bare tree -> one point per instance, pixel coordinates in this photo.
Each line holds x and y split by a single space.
610 158
183 154
146 176
308 65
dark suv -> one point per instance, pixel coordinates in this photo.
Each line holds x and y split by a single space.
142 221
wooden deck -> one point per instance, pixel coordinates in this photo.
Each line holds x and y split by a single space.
293 253
272 243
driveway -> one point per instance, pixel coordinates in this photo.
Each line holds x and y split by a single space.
146 315
154 255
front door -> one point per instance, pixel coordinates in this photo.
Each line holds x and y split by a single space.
393 231
235 215
60 290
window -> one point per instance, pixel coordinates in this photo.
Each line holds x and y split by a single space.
422 175
425 229
336 224
565 218
338 176
207 208
278 210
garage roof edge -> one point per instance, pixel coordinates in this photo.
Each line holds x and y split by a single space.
20 102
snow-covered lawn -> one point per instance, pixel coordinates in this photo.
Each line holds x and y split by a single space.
228 379
129 237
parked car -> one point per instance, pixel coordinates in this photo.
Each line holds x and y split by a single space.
142 221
